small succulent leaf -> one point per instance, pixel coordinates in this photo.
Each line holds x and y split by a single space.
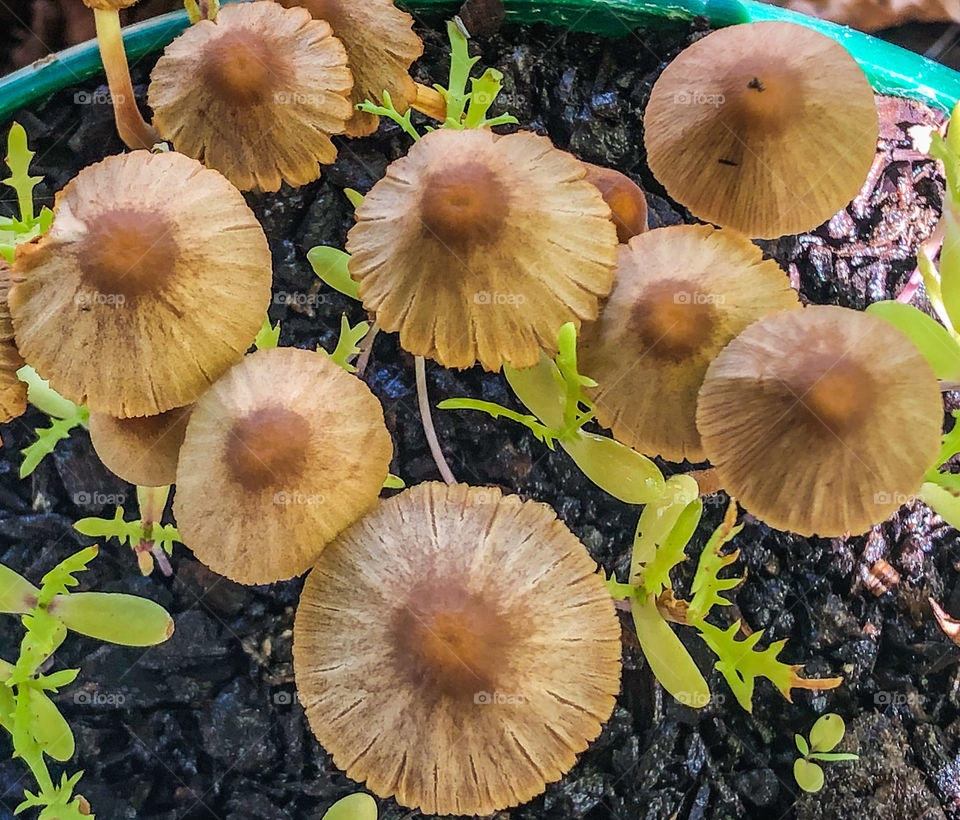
931 338
268 336
355 197
42 396
57 680
615 468
828 757
707 585
944 501
394 482
802 745
671 550
114 617
18 161
826 733
657 520
17 594
539 390
667 656
359 806
809 776
332 266
49 727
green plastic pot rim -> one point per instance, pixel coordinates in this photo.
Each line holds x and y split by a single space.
890 69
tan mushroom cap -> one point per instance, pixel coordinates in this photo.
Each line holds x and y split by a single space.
769 128
682 294
152 281
13 392
256 94
628 203
280 455
479 248
381 46
822 420
456 649
143 451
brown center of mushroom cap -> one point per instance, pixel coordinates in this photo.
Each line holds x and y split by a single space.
267 448
127 252
673 320
835 394
465 205
762 103
241 68
451 640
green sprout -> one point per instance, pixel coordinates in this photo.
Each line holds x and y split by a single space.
663 534
553 392
330 264
14 230
64 417
268 336
358 806
825 736
347 348
464 108
37 728
150 540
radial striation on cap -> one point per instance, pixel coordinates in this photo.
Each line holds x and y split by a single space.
153 279
479 248
381 46
256 94
456 649
682 294
822 420
279 456
768 128
13 392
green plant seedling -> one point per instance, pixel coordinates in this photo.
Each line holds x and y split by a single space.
825 736
268 336
64 417
553 392
347 345
150 540
359 806
37 728
330 264
14 230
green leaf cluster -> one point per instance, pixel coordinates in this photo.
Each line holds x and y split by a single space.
825 736
134 533
64 417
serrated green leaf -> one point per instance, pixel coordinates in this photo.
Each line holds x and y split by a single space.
809 776
359 806
114 617
670 549
618 591
47 440
18 161
707 585
389 111
497 411
932 339
826 733
332 266
347 344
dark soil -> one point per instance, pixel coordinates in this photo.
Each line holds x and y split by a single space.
208 725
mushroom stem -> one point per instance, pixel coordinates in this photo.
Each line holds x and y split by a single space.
427 419
131 127
429 101
366 348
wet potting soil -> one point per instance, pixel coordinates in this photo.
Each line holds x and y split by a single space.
208 724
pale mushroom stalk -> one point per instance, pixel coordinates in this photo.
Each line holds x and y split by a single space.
430 102
152 501
427 418
366 348
131 126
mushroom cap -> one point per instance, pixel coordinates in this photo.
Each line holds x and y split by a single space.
456 649
13 392
682 294
381 46
144 450
256 94
153 279
628 203
279 456
480 248
769 128
822 420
